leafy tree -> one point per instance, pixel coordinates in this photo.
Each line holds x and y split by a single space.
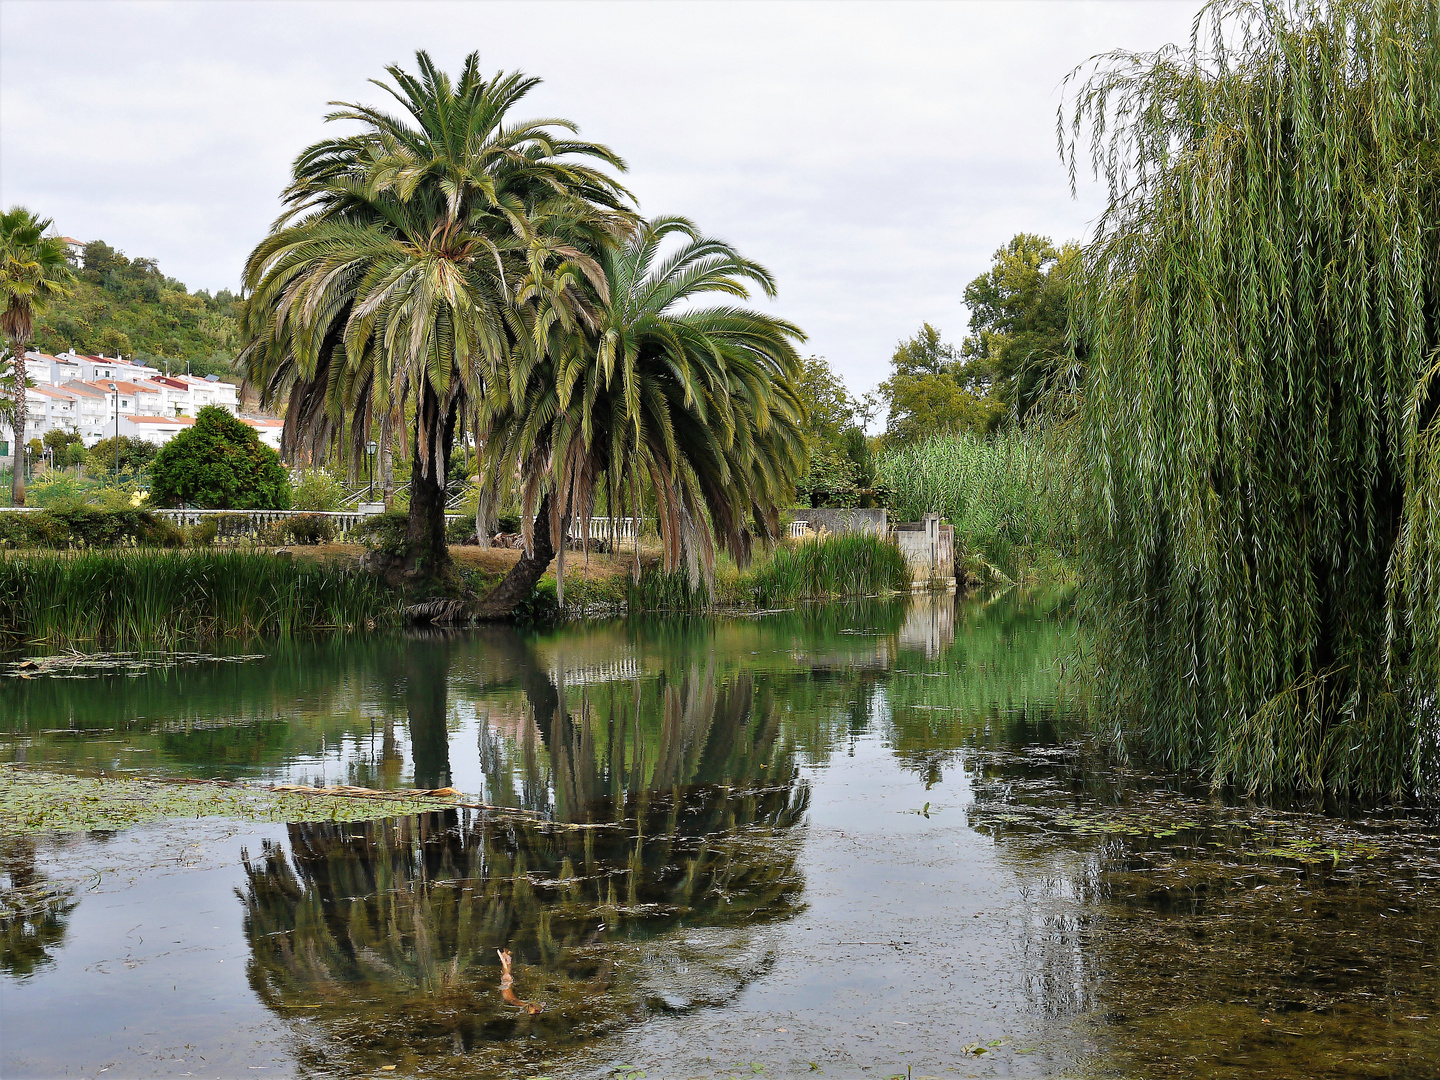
695 404
395 281
133 454
828 404
841 469
219 463
1261 312
33 272
931 391
1019 321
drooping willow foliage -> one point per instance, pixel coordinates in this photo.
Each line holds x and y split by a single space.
1259 323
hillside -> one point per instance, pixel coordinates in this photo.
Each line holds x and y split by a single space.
127 306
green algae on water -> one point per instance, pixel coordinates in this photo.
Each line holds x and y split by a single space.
33 801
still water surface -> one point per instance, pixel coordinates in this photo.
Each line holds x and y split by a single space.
848 841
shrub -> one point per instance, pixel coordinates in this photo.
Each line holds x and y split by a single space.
317 490
302 529
461 531
383 533
87 526
55 490
827 568
135 454
219 464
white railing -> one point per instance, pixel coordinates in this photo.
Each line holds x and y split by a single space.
608 530
234 523
799 529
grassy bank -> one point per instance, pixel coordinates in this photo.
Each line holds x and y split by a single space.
827 568
1008 496
134 596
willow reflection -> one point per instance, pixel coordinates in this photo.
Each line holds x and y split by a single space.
672 834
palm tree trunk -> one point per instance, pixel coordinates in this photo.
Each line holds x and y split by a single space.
426 553
386 464
20 418
519 583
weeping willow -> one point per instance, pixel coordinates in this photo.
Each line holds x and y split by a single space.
1259 322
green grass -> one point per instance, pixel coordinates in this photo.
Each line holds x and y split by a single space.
136 596
828 568
1007 494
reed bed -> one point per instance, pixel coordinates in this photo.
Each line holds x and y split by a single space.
152 596
824 568
1009 495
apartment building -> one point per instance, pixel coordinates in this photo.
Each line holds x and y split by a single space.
89 394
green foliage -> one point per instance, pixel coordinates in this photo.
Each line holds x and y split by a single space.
73 526
931 391
1258 426
435 256
826 568
317 490
134 455
840 468
135 597
383 533
460 531
695 403
1008 494
57 489
301 529
219 464
128 307
1019 322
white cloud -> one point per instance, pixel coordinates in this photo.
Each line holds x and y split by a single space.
872 155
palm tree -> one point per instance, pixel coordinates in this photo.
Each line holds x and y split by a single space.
33 270
394 281
695 404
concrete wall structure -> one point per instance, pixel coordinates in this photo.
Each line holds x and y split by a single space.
929 547
836 519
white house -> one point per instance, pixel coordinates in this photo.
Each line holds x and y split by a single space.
268 430
91 394
161 429
157 430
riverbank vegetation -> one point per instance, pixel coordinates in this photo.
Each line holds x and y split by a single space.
823 568
156 596
1008 494
1258 431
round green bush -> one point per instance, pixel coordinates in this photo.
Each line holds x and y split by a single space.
219 464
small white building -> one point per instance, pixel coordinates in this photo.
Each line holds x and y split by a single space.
269 430
159 430
156 430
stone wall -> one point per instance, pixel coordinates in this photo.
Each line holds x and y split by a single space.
835 519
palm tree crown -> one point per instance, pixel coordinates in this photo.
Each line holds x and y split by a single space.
397 272
33 270
695 403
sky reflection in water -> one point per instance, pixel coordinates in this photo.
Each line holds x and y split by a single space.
848 836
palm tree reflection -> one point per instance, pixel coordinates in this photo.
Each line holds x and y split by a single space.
670 843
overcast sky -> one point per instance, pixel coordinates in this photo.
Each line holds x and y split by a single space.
872 155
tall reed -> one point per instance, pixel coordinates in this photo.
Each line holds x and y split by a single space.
824 568
1007 494
163 596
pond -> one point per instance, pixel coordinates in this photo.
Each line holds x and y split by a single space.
843 841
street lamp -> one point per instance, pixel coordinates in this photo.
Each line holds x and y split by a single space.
370 449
